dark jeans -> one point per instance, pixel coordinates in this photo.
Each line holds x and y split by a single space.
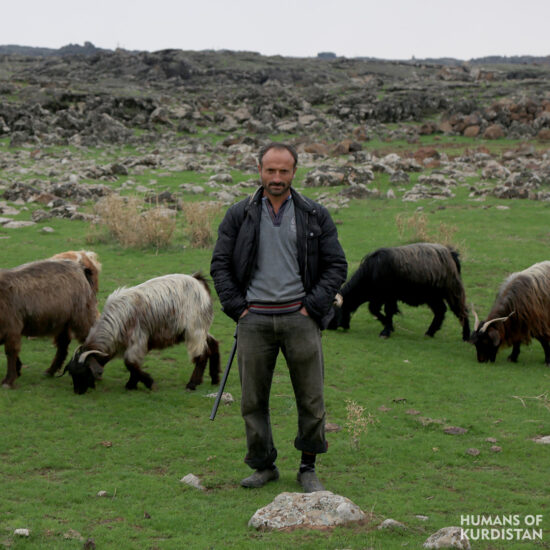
260 337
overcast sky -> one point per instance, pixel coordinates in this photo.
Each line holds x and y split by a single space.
389 29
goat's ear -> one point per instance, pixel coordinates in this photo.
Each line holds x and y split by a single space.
494 337
95 368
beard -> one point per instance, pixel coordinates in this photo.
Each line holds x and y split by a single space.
276 189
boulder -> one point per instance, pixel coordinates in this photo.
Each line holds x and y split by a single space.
317 510
495 131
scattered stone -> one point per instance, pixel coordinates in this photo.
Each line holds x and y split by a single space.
448 537
455 430
193 481
472 451
17 224
392 524
316 510
40 215
22 532
102 494
543 439
495 131
226 397
332 428
495 449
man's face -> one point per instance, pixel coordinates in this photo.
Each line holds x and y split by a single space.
276 172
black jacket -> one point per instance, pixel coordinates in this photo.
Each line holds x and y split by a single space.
321 259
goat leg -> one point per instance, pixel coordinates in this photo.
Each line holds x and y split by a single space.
12 347
18 366
374 308
546 348
62 341
513 357
439 308
214 359
137 375
197 375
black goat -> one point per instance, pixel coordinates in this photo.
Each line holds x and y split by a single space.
415 274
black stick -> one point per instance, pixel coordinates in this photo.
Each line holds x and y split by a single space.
225 375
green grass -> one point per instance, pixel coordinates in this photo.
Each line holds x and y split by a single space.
58 450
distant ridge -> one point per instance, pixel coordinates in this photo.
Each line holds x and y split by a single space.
89 49
71 49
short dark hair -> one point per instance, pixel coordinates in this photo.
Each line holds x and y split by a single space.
278 145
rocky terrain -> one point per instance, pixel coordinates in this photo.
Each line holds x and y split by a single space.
209 111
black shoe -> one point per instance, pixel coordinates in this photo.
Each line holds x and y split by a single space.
259 478
309 482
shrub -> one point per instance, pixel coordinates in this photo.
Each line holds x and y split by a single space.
199 218
132 224
415 229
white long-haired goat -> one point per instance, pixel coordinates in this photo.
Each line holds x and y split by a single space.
156 314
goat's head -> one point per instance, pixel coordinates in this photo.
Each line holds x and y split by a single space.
341 316
85 368
487 338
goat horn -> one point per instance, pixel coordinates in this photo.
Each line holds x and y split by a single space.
338 300
476 319
82 358
485 325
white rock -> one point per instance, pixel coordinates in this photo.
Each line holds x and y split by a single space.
544 439
391 524
448 537
17 224
193 481
306 510
22 532
226 397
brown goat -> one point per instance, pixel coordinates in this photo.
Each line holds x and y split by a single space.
521 311
88 260
44 298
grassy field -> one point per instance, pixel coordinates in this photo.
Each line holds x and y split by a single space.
58 450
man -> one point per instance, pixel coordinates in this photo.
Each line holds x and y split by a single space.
277 266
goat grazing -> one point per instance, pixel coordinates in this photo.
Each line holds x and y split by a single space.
88 260
156 314
44 298
521 311
420 273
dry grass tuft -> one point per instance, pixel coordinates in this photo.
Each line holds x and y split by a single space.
199 218
357 423
132 224
416 229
